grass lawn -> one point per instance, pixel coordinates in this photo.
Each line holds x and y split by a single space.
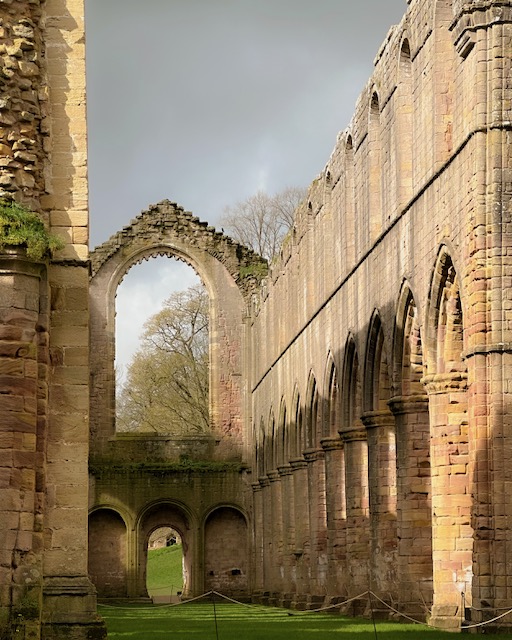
164 571
226 621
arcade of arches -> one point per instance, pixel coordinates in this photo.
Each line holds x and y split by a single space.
360 436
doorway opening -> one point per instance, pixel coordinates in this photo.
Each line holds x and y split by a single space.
165 567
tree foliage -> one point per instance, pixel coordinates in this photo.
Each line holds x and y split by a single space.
166 390
262 221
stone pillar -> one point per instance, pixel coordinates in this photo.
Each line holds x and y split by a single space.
315 459
258 538
276 532
380 428
489 370
414 513
288 533
358 524
23 408
267 555
452 533
69 598
336 514
302 541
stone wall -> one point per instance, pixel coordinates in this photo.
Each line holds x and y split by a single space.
379 395
366 382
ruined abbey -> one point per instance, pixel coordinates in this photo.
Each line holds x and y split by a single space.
361 434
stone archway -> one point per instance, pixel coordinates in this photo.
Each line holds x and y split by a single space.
107 565
228 271
175 516
226 551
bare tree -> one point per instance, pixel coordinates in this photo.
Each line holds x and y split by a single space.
166 389
262 221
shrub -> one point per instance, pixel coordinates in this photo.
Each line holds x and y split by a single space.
21 227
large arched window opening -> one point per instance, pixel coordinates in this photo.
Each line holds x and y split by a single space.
162 350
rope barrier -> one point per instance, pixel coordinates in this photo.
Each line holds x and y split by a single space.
158 606
331 606
306 612
481 624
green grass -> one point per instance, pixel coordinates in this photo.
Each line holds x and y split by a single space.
164 571
227 621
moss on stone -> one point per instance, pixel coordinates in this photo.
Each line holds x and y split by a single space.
99 469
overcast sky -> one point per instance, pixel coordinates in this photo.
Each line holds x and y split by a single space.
205 102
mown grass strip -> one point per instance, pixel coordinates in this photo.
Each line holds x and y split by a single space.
165 571
197 620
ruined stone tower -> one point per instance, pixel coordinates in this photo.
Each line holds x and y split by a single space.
361 434
44 366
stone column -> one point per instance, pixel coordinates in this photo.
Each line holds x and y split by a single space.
23 410
288 533
276 514
258 538
414 513
267 555
380 428
302 541
358 525
452 533
315 459
336 514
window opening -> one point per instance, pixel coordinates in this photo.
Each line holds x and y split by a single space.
162 350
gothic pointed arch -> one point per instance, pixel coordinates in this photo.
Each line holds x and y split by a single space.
376 375
282 435
227 270
445 335
312 414
351 389
297 435
375 214
270 449
331 404
404 122
408 365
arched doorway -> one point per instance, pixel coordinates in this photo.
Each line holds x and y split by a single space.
107 560
226 552
168 516
164 571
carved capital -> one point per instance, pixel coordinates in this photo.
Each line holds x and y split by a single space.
353 435
401 405
285 470
331 444
445 382
273 476
264 481
375 419
298 463
312 455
